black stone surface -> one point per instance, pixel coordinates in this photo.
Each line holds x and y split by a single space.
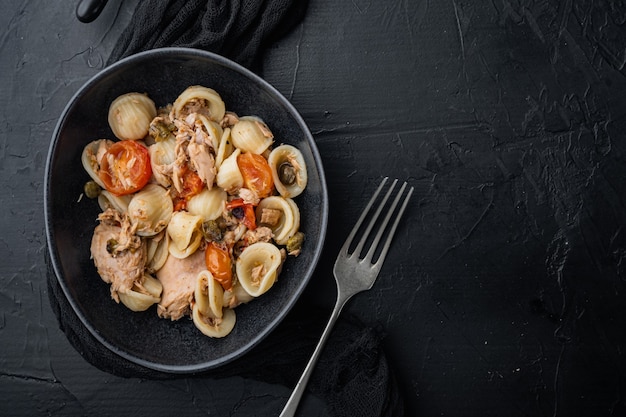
504 293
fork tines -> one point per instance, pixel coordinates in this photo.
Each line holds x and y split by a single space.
376 254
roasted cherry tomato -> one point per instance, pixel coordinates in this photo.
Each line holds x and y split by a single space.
125 167
219 263
192 185
243 211
256 173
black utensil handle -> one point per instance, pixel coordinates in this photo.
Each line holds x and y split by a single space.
88 10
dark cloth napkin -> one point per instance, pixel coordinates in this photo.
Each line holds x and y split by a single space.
236 29
353 375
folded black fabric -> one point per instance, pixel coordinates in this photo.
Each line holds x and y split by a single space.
236 29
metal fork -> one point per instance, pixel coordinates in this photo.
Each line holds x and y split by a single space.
355 273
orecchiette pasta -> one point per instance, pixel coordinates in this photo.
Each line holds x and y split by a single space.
142 295
209 296
201 201
130 116
251 134
184 233
257 267
162 158
214 327
213 130
118 202
225 148
91 156
201 100
151 210
208 204
288 170
229 177
280 215
158 250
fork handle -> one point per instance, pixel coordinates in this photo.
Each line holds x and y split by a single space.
294 400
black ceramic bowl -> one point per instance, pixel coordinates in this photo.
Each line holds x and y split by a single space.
143 338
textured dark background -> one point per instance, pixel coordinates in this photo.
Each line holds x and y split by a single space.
504 293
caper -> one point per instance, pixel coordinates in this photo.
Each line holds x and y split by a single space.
294 243
286 173
211 231
111 244
160 130
92 189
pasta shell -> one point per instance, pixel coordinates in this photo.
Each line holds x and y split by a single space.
209 204
257 267
229 177
194 244
250 134
213 129
225 148
288 170
295 227
185 234
214 327
141 296
281 215
158 250
130 116
150 209
162 156
236 296
91 156
209 296
107 200
201 100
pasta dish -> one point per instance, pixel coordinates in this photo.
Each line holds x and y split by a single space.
198 211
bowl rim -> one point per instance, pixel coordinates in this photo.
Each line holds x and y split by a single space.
51 245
